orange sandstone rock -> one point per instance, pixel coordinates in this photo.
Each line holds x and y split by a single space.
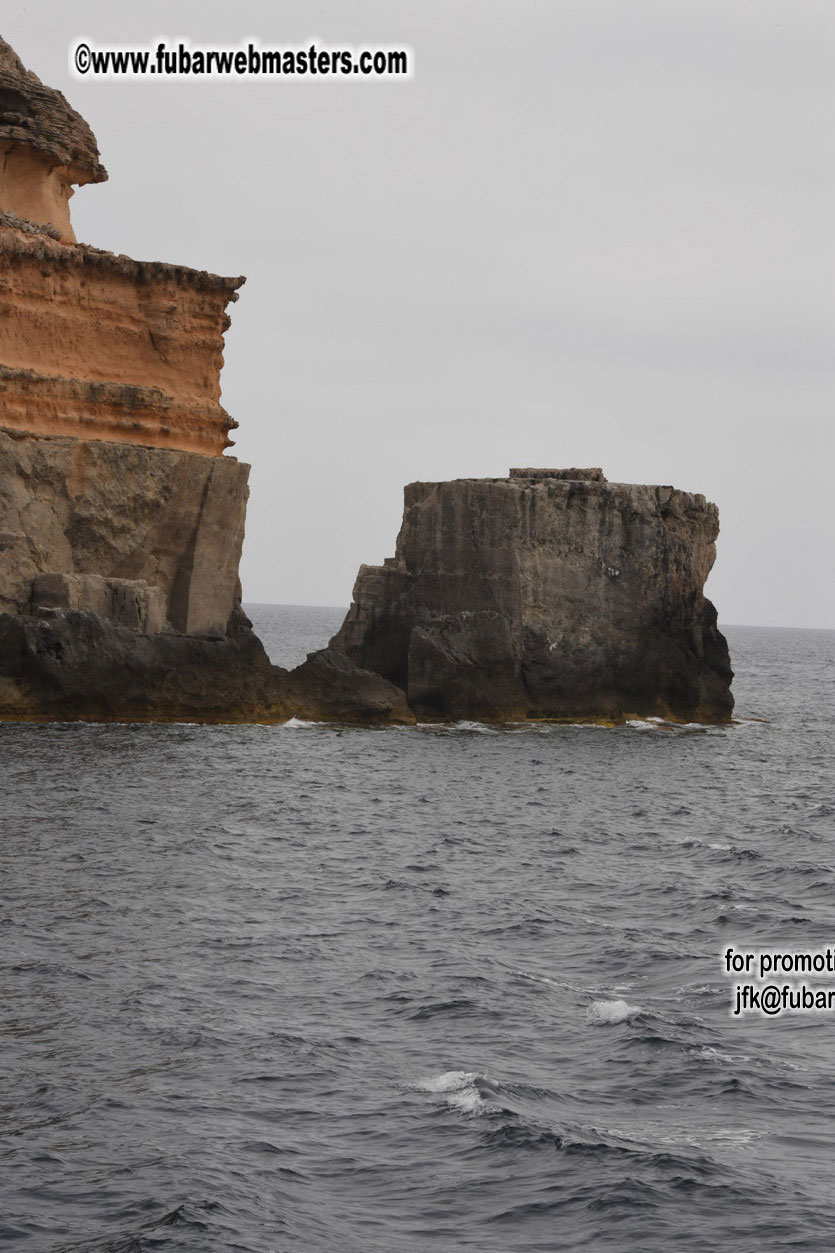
94 345
102 347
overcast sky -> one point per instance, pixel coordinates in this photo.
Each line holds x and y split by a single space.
588 232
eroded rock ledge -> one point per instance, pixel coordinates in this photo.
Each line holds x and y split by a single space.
98 346
45 147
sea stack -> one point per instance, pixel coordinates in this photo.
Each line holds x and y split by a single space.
551 594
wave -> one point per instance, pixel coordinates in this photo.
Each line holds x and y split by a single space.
457 1007
559 984
458 1089
609 1013
447 728
659 1145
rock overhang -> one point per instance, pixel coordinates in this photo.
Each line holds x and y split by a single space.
39 118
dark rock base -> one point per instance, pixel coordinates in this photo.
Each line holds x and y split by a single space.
68 665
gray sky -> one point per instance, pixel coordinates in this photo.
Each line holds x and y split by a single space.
589 232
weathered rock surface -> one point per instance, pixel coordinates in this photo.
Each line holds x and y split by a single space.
540 596
40 118
121 523
103 347
328 687
125 602
94 345
174 520
71 664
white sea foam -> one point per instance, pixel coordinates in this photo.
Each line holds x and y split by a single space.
653 1134
646 724
554 983
551 983
608 1013
709 1053
456 1088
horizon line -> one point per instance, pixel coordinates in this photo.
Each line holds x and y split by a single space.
756 626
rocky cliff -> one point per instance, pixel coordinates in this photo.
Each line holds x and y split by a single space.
65 664
103 347
121 522
549 594
172 520
120 600
94 345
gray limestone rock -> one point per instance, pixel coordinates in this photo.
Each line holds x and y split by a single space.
126 602
68 663
545 596
173 520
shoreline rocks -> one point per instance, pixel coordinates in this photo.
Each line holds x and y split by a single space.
551 594
532 598
71 665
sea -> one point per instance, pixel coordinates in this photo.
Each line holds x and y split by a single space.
306 988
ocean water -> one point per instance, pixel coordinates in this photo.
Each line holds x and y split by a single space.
310 988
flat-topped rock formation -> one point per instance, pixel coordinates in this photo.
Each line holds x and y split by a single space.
549 594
